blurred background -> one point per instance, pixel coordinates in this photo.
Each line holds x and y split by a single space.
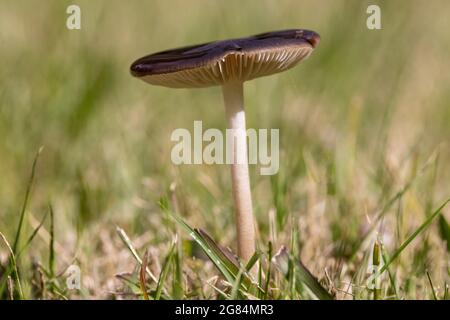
364 117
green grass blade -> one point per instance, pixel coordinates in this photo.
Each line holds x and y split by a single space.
402 247
225 269
228 259
253 260
51 257
432 286
444 231
385 208
223 259
177 285
9 269
279 188
305 276
14 266
126 240
32 236
283 260
230 267
165 271
25 201
445 292
385 256
268 272
236 286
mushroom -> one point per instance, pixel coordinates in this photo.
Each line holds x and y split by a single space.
229 63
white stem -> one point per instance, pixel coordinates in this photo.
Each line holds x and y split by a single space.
234 107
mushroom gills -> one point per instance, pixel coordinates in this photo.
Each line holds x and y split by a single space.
234 66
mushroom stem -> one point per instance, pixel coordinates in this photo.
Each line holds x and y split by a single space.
235 113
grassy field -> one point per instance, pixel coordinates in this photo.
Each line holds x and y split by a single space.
364 165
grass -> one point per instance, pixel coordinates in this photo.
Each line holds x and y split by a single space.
364 156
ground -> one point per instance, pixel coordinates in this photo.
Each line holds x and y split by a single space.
364 162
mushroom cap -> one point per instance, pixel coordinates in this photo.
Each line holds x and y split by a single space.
220 62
